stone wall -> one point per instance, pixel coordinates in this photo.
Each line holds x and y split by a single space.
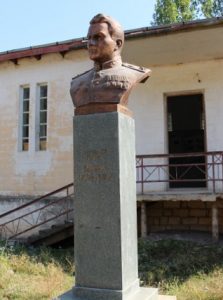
179 215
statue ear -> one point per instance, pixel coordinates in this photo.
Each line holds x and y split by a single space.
119 43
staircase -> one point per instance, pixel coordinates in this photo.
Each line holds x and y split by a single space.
53 235
45 220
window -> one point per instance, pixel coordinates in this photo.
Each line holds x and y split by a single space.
26 136
42 118
25 118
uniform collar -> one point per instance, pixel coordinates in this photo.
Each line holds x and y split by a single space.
108 64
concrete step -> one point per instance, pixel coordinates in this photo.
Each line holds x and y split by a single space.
166 297
52 235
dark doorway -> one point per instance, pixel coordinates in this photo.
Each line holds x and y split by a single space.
186 135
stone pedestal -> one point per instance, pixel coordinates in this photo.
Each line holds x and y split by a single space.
105 210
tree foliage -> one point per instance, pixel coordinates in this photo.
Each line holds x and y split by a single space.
218 8
174 11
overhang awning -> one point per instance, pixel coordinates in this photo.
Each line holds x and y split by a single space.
176 47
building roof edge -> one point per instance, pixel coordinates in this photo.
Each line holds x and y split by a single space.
80 43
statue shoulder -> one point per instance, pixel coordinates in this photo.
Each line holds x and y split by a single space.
136 68
140 74
82 74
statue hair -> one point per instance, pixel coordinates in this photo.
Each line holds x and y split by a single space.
114 28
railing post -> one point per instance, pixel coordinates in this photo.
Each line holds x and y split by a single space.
67 214
222 172
66 205
215 229
142 184
213 173
143 220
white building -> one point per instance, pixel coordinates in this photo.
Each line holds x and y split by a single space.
178 110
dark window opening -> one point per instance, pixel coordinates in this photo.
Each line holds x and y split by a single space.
186 134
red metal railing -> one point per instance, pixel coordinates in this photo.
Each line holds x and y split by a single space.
154 173
37 212
163 171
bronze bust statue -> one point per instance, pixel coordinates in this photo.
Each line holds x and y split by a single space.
110 80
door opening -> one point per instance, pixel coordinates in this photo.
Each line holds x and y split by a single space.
186 128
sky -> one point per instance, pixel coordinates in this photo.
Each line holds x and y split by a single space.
25 23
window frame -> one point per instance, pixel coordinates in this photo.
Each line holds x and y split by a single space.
22 113
39 111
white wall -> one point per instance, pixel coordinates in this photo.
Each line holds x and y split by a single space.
148 103
36 172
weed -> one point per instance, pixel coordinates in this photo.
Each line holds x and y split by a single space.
185 269
189 270
34 273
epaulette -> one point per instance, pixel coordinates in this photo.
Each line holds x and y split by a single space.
81 74
133 67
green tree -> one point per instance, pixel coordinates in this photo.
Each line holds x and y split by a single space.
165 12
218 8
173 11
186 10
204 8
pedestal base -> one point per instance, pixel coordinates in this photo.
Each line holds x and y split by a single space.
106 263
141 294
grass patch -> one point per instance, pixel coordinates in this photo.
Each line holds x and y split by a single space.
188 270
39 273
185 269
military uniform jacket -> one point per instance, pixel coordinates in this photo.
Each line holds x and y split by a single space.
110 83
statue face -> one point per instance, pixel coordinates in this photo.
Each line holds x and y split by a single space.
101 46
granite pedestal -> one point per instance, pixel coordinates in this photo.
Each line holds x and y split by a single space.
106 264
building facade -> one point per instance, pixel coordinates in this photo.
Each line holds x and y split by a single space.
178 117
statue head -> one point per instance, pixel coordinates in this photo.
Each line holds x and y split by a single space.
105 38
